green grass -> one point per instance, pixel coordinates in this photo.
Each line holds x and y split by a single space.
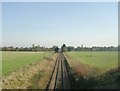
101 60
13 60
102 71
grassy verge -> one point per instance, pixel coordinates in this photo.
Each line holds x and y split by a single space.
35 80
96 71
32 76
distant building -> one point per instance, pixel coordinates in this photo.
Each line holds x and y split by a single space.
81 46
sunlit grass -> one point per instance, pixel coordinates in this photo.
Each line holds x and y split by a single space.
102 60
14 60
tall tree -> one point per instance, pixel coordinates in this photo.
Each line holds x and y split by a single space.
56 49
63 48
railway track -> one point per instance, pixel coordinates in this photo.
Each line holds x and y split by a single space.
59 77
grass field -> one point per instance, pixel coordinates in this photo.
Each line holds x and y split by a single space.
101 60
93 70
14 60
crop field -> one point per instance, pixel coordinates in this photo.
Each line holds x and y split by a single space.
101 60
13 60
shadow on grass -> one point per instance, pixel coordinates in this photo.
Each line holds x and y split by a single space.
108 80
35 80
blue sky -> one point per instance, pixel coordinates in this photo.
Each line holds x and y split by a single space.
48 24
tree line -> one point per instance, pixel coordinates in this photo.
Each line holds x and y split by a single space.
33 48
93 48
63 48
